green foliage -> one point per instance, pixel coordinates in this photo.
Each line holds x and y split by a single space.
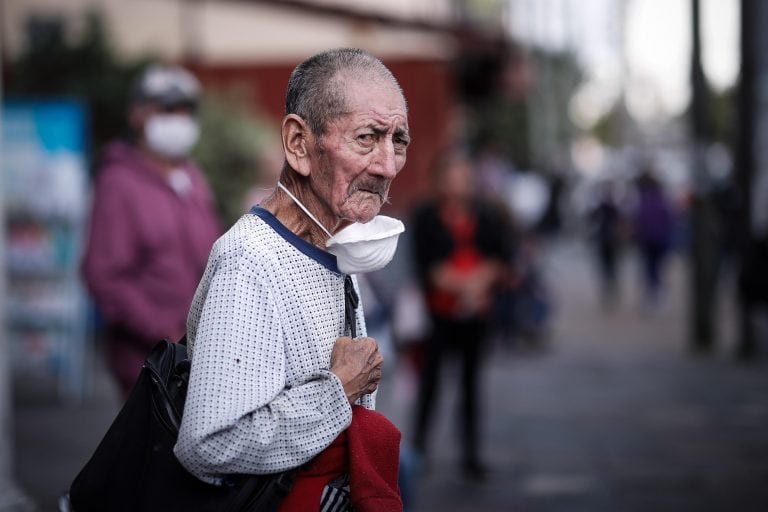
503 125
558 75
507 123
607 129
85 67
231 145
724 116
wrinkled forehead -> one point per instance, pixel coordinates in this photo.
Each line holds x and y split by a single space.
370 92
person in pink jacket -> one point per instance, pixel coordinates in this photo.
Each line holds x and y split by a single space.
153 223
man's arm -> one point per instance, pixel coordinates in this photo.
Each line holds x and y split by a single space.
240 417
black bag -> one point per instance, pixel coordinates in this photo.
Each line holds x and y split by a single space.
134 468
753 279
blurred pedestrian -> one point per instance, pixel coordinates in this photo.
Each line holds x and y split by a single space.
283 374
153 223
606 224
653 229
461 255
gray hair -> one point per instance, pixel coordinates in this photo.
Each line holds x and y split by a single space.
316 88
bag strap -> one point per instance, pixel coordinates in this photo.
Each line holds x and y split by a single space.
351 301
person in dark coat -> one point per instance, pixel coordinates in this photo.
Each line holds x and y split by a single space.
606 232
461 255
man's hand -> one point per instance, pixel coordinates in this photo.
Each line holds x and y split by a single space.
357 363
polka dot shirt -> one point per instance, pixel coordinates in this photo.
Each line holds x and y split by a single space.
260 331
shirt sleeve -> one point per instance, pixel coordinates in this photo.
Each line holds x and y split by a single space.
240 417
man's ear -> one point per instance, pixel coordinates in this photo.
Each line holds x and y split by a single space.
296 135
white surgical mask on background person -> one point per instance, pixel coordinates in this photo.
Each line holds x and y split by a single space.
171 135
359 248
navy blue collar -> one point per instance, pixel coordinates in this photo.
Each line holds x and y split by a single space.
325 258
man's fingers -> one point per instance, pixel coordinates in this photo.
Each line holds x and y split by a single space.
374 347
376 359
373 383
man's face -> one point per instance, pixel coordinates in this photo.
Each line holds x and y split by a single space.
361 152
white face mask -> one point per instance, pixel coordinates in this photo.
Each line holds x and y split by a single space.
171 135
360 248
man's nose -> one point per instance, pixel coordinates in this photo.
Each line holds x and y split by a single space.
385 164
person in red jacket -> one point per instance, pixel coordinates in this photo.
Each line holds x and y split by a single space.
153 223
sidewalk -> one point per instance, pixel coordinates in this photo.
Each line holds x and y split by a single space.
54 440
614 416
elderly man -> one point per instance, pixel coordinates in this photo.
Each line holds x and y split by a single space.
278 375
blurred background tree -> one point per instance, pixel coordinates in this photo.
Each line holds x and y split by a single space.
86 67
232 144
527 126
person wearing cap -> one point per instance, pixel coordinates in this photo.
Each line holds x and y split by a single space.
153 222
283 374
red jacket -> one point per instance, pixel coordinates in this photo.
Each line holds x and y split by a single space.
369 451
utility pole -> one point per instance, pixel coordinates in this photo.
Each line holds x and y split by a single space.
705 236
752 156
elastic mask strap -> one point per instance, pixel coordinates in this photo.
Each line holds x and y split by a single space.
304 208
351 300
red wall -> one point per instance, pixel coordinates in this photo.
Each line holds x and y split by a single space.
429 90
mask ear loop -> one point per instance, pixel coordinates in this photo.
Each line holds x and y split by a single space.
351 299
303 208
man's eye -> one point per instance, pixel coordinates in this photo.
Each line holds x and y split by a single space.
401 142
366 138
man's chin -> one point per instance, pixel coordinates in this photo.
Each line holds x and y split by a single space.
363 209
366 217
361 215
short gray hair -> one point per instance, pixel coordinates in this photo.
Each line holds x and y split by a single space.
315 92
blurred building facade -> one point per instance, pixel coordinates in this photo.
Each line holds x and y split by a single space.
254 44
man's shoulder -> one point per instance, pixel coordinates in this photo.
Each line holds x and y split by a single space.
254 246
249 239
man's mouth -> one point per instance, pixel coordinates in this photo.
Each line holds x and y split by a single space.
372 192
376 189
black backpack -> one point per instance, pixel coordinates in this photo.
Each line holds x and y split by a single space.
134 468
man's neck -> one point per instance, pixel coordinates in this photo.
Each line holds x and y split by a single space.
294 218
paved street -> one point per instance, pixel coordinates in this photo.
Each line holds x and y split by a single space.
614 415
